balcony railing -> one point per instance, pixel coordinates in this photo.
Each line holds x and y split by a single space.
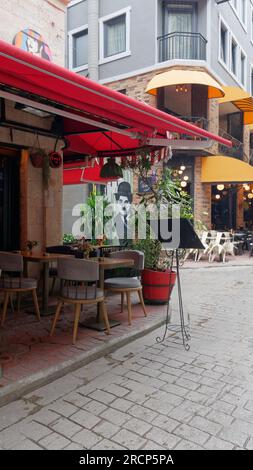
177 45
235 151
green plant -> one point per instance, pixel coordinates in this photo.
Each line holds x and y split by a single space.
68 238
88 214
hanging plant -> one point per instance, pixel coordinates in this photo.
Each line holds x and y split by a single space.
37 154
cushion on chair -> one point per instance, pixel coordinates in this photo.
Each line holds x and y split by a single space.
122 283
81 293
17 283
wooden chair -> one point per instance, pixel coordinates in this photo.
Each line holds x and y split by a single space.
74 275
13 263
126 285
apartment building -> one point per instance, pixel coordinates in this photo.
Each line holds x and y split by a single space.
154 51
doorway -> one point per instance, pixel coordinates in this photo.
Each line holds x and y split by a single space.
9 200
224 202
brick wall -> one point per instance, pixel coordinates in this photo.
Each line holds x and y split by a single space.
202 196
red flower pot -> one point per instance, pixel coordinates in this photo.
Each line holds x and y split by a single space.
157 285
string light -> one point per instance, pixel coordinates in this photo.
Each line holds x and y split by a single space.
217 196
183 184
180 172
220 187
181 88
250 196
182 167
186 178
246 187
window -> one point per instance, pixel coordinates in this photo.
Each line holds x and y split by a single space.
243 63
78 48
115 36
243 12
233 57
223 42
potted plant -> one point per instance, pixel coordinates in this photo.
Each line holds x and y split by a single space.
158 277
30 244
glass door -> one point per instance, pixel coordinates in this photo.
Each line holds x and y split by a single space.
180 22
9 203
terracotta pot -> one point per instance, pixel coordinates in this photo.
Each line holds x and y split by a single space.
157 285
37 159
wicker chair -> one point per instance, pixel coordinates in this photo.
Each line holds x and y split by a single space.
75 275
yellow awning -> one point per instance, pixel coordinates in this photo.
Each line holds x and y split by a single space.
222 169
241 99
184 77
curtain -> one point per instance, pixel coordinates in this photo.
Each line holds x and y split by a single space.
115 36
180 46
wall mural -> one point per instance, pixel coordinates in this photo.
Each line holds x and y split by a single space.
31 41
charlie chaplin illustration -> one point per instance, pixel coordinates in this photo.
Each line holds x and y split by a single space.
124 198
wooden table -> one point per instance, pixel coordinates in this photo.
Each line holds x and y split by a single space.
45 260
106 263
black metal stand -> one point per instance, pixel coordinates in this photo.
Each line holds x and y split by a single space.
183 327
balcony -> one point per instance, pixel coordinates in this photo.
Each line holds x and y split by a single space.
235 151
178 45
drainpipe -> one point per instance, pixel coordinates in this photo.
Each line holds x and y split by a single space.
93 15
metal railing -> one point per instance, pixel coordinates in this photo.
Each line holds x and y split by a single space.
236 150
178 45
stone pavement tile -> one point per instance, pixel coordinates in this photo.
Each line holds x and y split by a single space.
221 405
58 388
10 438
159 406
142 413
214 443
116 390
14 412
33 430
86 438
54 442
167 378
191 369
45 416
27 445
249 444
138 397
105 444
192 434
66 427
187 445
233 399
219 417
115 416
76 399
234 435
205 425
197 397
244 414
138 426
63 408
95 407
167 424
168 397
129 440
249 405
85 419
151 445
175 389
74 446
162 437
106 429
121 404
102 396
148 371
188 384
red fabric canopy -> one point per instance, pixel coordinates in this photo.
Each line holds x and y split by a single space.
92 110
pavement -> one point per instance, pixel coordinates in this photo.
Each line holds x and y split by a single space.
147 395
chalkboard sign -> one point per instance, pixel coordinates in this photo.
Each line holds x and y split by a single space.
143 186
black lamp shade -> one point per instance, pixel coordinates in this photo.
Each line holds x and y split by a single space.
184 236
111 169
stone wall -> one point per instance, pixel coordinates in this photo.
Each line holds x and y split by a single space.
202 196
47 17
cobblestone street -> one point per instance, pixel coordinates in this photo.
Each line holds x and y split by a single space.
156 396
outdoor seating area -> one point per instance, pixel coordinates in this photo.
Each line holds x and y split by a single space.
221 246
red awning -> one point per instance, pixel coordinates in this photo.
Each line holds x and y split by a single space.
95 118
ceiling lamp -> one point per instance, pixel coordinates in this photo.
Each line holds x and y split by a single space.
180 172
186 178
181 88
182 167
250 196
220 187
246 187
111 169
183 184
217 196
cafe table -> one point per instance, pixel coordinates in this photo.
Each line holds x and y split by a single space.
45 259
104 264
